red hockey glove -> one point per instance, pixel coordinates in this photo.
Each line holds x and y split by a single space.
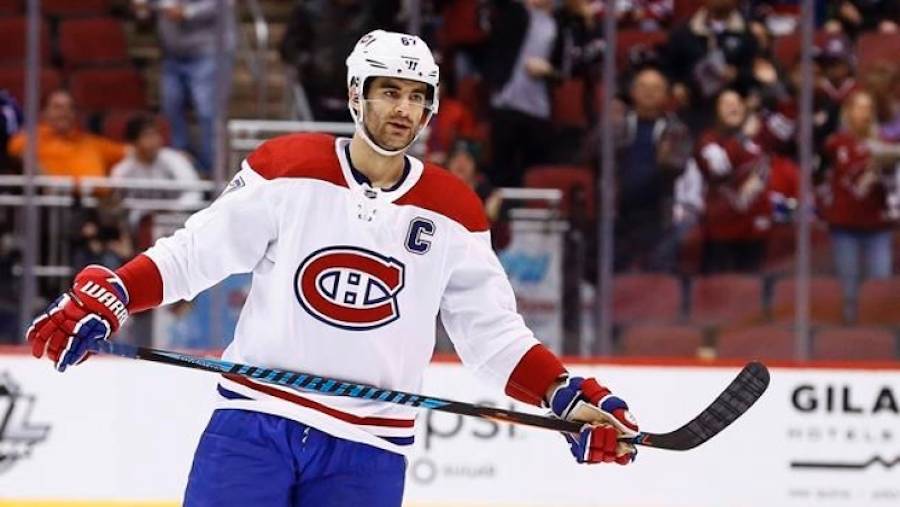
606 418
93 309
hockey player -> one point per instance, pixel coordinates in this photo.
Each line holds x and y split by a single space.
354 247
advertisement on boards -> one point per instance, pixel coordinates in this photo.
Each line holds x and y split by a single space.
125 431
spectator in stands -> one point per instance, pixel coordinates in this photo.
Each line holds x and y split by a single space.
860 201
737 209
63 149
837 78
456 121
645 15
523 57
652 149
713 51
462 161
883 81
318 37
853 17
190 66
10 123
150 160
102 235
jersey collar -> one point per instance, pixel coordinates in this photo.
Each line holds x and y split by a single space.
412 171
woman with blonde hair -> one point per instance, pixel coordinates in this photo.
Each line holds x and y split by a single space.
860 200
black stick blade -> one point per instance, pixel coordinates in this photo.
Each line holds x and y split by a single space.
736 399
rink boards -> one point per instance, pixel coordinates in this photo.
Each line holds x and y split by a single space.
120 432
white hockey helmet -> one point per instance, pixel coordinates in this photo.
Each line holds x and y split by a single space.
390 54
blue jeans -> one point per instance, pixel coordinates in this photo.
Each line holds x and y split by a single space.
859 254
192 81
249 458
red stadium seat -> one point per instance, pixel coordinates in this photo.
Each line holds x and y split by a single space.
568 179
92 41
727 300
874 47
461 26
684 9
11 7
14 30
759 342
569 104
114 123
471 91
632 40
786 49
646 298
825 300
99 90
65 8
879 302
12 79
855 344
660 341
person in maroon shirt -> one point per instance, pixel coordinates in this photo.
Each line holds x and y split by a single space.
857 198
735 174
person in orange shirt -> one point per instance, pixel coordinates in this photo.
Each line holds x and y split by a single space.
63 149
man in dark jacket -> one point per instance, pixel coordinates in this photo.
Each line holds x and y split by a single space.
523 55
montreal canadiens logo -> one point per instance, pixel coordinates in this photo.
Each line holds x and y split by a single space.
349 287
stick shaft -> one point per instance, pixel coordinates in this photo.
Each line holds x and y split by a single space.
337 387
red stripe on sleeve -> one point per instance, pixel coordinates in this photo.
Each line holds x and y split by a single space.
534 374
144 283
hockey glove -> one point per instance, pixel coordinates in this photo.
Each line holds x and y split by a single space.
606 418
93 309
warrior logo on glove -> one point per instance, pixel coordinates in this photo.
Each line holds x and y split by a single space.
95 308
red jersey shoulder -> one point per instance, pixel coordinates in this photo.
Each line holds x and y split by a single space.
303 155
442 192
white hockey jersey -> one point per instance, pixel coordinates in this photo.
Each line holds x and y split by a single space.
347 282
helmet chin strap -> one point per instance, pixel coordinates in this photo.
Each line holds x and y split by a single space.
359 120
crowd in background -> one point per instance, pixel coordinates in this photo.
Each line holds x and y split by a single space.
705 119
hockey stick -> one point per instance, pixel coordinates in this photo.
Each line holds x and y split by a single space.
731 404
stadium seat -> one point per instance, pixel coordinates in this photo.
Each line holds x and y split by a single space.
758 342
632 40
727 300
92 41
102 89
11 7
114 123
569 104
659 340
684 9
461 24
470 90
786 49
854 344
824 298
12 79
14 30
873 47
66 8
568 179
646 298
879 302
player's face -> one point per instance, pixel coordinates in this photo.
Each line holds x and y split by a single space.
395 109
